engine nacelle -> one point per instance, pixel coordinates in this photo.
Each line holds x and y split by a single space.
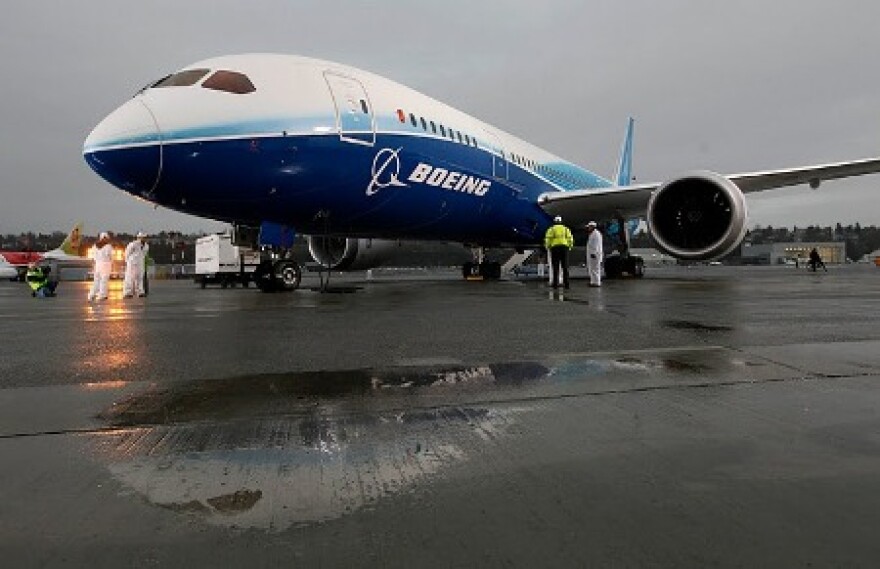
349 254
698 216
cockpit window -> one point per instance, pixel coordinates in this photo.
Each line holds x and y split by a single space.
229 81
182 78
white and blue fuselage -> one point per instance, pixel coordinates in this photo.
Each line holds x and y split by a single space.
340 153
329 150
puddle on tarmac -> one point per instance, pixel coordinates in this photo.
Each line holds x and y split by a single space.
274 451
355 391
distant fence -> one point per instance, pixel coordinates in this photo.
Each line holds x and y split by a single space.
170 272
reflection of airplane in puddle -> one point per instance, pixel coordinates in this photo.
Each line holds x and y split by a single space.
277 450
300 448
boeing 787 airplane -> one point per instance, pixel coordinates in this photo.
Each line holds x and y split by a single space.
356 162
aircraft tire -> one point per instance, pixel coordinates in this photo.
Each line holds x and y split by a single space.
469 270
613 267
287 275
491 270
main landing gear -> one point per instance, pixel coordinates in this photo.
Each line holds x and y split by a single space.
479 269
617 266
487 270
622 263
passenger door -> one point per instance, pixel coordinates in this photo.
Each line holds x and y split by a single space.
499 159
355 121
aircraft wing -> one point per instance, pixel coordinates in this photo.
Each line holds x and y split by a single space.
813 175
579 206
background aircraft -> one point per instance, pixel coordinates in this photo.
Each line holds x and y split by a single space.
66 255
354 161
7 271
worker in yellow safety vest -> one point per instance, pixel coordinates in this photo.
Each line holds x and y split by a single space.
37 278
558 241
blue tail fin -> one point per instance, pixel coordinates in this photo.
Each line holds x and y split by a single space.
623 177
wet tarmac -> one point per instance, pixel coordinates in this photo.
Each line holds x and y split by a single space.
700 417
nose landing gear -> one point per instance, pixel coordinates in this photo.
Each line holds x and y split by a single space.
281 275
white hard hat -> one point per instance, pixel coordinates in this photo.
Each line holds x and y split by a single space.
141 234
104 235
557 219
591 224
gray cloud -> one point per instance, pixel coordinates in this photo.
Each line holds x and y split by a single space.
729 86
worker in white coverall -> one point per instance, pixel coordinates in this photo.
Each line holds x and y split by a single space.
594 254
135 260
103 265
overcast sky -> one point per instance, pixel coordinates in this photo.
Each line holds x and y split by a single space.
731 86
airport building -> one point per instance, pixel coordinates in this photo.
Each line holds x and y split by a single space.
832 252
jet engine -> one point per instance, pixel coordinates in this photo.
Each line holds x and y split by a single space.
349 254
698 216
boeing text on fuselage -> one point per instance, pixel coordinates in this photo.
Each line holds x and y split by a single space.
449 180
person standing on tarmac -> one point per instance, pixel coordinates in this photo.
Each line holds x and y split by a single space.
816 261
135 261
103 266
148 262
558 241
594 254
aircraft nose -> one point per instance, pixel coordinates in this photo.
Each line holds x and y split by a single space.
126 148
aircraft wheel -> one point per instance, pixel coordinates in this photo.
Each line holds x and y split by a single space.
613 267
491 270
288 275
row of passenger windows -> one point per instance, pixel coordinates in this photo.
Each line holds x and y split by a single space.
438 128
221 80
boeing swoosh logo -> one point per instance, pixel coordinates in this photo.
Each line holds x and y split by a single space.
386 170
